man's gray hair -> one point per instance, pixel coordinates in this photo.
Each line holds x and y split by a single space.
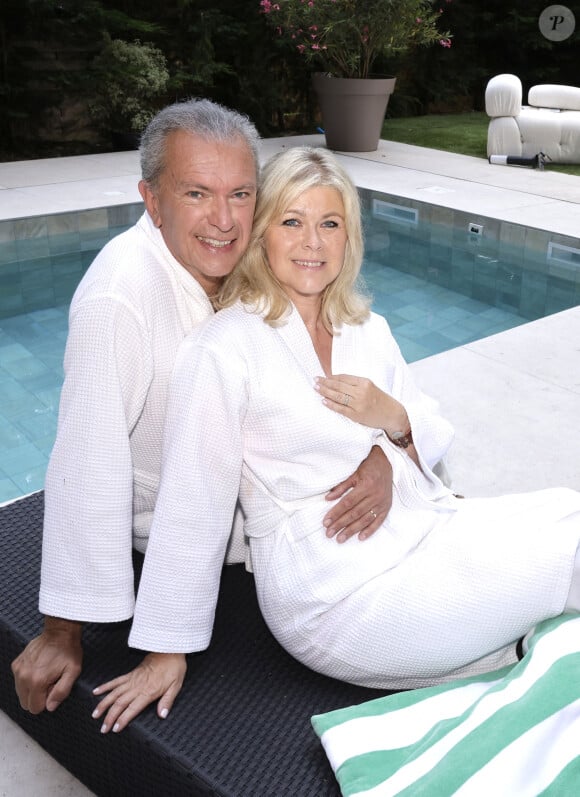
200 117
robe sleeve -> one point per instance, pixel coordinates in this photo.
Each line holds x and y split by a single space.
200 480
432 434
87 571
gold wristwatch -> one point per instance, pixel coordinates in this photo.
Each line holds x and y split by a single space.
401 439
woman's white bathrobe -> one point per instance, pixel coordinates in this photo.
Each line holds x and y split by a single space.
129 314
446 586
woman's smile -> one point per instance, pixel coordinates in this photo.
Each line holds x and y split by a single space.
309 263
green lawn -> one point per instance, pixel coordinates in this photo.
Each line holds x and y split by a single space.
465 133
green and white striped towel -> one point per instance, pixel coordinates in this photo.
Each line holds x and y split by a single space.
514 732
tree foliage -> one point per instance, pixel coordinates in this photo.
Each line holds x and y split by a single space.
129 76
225 50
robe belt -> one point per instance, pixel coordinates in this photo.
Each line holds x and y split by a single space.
270 513
274 514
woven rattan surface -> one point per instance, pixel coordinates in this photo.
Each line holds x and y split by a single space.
240 727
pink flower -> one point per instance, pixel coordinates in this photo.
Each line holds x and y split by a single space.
268 6
445 42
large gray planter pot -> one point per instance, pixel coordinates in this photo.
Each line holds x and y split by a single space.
353 110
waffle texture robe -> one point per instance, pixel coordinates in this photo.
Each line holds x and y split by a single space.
445 587
129 314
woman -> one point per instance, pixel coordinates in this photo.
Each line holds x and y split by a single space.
301 380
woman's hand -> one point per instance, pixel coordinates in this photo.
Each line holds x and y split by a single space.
160 675
362 401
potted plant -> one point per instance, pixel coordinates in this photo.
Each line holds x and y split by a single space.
130 76
343 40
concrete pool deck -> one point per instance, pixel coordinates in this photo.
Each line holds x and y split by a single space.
513 398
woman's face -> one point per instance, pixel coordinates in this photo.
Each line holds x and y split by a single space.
305 246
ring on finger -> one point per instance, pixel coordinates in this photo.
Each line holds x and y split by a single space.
346 399
373 513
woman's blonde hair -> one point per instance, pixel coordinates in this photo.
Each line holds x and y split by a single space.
287 175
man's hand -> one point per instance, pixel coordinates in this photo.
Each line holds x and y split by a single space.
368 498
160 675
45 671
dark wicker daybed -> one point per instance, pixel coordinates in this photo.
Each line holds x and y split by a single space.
240 727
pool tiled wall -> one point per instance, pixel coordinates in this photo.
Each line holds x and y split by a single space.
527 271
42 259
505 265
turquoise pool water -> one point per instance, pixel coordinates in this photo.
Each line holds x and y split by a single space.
437 285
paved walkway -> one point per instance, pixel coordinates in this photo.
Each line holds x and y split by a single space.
543 199
514 398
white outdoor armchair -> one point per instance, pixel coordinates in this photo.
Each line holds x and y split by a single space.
549 124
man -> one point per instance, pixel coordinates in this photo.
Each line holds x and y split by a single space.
142 295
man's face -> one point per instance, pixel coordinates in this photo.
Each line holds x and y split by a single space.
204 204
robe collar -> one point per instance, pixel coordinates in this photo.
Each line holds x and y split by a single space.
295 335
187 281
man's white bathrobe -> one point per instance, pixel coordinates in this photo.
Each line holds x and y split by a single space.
129 314
446 586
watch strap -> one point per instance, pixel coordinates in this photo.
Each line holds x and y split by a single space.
401 439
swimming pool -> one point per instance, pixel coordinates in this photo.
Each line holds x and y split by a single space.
439 282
